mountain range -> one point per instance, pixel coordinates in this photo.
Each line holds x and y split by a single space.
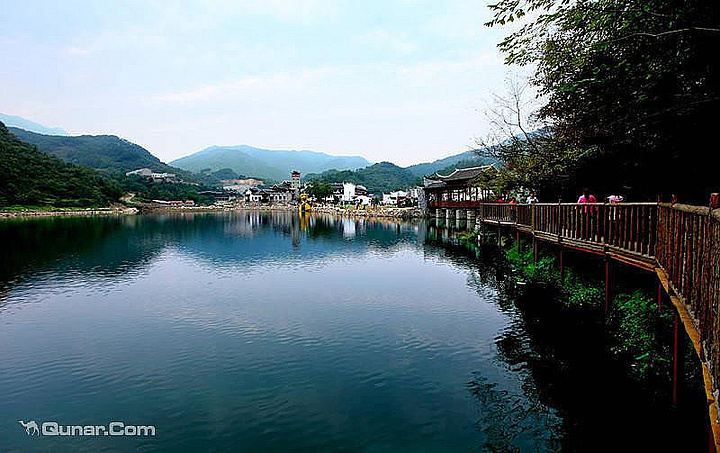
448 164
113 155
265 163
32 126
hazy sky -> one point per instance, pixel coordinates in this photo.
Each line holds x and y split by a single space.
405 81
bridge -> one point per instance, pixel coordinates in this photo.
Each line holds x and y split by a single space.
679 243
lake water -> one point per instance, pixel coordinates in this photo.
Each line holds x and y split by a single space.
269 332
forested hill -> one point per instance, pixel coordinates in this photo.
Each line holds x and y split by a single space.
378 178
106 153
31 177
448 164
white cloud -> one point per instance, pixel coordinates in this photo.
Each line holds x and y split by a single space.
254 87
76 51
387 39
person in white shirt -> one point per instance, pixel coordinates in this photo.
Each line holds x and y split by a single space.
531 198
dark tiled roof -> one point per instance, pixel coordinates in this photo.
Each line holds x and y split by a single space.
463 173
432 184
459 175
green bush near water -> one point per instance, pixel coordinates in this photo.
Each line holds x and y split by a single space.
634 324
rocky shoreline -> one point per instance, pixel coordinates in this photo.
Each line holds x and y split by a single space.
391 212
69 212
377 211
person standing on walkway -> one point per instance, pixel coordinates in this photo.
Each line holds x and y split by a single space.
531 199
586 215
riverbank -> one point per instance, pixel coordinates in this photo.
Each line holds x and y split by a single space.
146 208
376 211
57 212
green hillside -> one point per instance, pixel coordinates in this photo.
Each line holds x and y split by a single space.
107 153
31 177
378 178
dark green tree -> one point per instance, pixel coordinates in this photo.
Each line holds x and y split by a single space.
320 190
633 86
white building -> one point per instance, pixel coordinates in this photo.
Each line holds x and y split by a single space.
363 200
348 192
392 198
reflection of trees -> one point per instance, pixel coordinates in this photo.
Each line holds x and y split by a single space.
106 247
507 418
560 353
103 245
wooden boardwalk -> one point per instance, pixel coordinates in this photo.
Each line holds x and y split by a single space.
680 243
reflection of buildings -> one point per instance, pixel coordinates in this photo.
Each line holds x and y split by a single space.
348 226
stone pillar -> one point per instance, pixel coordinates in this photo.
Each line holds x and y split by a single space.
460 214
449 214
471 215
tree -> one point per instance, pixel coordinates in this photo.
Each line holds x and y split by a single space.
633 83
320 190
531 157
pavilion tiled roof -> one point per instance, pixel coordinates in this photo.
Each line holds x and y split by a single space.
459 175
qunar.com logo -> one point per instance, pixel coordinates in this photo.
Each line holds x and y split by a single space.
115 428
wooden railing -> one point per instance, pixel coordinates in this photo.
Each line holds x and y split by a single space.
681 243
626 228
688 251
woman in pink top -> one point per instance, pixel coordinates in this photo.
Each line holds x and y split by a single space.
586 198
587 223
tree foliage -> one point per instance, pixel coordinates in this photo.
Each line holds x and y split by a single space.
632 86
320 190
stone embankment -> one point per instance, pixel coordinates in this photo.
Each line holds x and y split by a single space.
69 212
377 211
365 211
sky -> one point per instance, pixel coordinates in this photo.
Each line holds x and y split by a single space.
403 81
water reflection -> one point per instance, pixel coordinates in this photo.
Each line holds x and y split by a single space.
111 246
241 330
575 391
254 330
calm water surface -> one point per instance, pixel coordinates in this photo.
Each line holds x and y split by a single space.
253 331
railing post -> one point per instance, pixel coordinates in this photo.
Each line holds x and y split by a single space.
607 284
532 217
678 356
560 220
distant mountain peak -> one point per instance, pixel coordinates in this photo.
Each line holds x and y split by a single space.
275 164
25 124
